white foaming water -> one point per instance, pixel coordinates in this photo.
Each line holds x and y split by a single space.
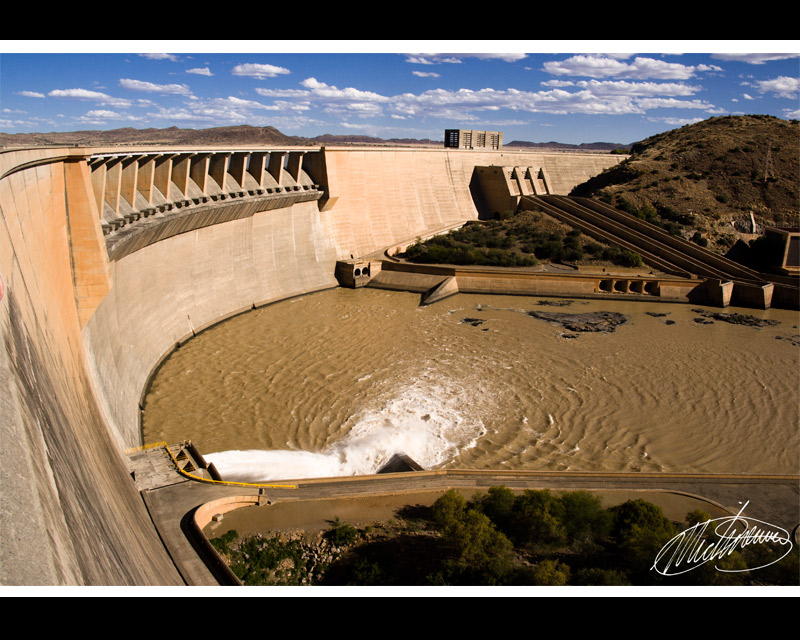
427 424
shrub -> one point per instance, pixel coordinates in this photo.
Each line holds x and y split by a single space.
498 505
584 516
222 544
550 573
536 520
341 535
449 508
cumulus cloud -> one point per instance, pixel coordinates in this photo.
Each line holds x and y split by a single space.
792 114
624 87
677 122
330 99
320 89
260 71
103 113
604 66
31 94
426 74
593 98
783 86
200 71
87 94
617 97
159 56
233 101
455 58
754 58
102 116
282 93
141 85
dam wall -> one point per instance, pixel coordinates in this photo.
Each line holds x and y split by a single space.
70 512
84 328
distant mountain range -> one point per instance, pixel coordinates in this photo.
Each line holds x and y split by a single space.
245 135
584 146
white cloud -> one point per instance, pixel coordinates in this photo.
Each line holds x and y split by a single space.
672 103
321 90
754 58
468 106
430 59
426 74
260 71
623 87
677 122
603 66
31 94
103 113
783 86
455 58
558 83
282 93
86 94
233 101
141 85
159 56
200 71
102 116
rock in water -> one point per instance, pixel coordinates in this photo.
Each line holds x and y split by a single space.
596 322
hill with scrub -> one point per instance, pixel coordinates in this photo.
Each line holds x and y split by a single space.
703 181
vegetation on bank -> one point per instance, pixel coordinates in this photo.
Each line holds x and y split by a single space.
533 538
522 239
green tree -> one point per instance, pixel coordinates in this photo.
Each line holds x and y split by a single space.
449 508
483 554
641 530
584 517
550 573
498 505
536 520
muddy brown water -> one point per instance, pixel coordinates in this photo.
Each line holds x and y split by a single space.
336 382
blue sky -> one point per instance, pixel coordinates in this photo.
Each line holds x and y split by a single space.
539 91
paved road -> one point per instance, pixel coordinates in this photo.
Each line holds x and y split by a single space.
172 498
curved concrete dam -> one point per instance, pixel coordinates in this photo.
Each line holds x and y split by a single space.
110 257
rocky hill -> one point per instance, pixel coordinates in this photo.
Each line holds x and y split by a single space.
704 180
242 135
